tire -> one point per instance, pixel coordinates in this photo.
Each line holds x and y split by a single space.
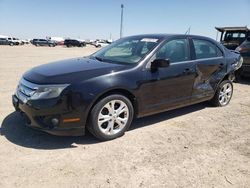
104 123
11 44
223 94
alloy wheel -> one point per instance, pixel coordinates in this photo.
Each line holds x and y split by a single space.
225 94
113 117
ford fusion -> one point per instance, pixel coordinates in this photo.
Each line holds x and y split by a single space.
133 77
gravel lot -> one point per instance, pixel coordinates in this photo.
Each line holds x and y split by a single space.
196 146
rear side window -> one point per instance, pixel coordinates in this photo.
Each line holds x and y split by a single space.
205 49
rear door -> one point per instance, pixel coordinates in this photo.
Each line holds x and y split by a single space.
210 65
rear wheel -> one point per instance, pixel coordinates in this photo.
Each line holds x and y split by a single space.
111 117
223 94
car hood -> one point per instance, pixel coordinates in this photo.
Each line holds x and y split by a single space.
71 71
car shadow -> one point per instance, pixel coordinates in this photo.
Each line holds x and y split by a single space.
14 129
149 120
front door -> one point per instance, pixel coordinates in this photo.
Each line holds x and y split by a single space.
171 86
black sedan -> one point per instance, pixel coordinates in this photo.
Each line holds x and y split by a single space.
74 43
133 77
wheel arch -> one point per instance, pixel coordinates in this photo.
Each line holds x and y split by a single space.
225 77
120 91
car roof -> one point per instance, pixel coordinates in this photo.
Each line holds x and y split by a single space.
222 29
165 36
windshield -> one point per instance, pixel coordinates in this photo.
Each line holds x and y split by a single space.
127 50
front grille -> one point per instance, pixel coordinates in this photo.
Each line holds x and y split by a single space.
25 90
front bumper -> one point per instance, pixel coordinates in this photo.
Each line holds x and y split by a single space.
49 116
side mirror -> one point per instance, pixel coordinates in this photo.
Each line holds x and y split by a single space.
159 63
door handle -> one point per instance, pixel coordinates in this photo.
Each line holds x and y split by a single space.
187 70
221 65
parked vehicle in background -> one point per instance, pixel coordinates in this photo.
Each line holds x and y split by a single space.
89 41
74 43
244 50
14 41
101 43
5 41
43 42
232 37
133 77
58 40
25 41
237 38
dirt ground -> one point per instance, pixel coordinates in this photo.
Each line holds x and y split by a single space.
196 146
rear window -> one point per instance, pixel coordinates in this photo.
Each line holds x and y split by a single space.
229 36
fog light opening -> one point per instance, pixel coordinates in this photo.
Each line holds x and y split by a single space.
54 121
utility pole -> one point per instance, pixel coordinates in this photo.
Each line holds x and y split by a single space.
121 27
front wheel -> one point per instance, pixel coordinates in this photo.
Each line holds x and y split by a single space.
223 94
111 117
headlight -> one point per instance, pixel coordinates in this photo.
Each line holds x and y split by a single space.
47 92
238 63
238 49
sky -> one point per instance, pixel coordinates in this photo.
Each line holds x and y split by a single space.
91 19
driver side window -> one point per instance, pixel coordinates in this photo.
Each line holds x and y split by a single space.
176 50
